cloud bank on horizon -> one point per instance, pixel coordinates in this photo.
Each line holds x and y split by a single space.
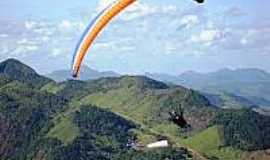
151 36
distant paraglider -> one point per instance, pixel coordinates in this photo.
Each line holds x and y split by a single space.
95 27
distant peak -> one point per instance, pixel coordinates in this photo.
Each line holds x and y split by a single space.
16 70
12 61
225 70
14 64
188 73
143 82
253 70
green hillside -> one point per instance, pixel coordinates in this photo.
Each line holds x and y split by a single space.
16 70
25 114
210 143
227 100
244 129
35 125
148 106
96 119
251 84
29 130
144 100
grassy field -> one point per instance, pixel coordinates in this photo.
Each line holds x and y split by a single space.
52 87
137 108
131 103
64 130
140 108
208 142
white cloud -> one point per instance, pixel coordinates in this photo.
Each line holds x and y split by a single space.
138 9
189 20
210 25
169 9
207 36
3 35
23 41
24 50
169 48
45 39
103 45
143 30
31 48
244 41
80 26
56 52
43 31
103 4
127 48
4 50
30 24
235 12
65 24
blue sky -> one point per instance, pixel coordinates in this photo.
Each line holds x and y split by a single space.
152 36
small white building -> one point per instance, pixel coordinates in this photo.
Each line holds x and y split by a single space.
159 144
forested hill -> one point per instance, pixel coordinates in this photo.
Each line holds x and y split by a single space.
32 127
42 119
16 70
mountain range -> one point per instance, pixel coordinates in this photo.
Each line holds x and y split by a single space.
250 84
96 119
243 87
86 74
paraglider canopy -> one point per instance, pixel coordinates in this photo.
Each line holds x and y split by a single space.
94 29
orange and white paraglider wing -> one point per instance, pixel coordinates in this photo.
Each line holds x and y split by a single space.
93 30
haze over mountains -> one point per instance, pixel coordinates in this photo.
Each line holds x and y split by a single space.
86 74
43 119
250 84
240 87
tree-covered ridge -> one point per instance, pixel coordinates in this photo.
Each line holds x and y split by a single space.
16 70
140 95
244 129
25 115
95 119
150 105
103 136
96 122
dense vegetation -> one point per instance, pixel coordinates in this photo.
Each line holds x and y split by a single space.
27 115
24 115
142 99
17 71
104 135
227 100
244 129
44 120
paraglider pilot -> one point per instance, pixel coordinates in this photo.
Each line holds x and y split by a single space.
179 119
